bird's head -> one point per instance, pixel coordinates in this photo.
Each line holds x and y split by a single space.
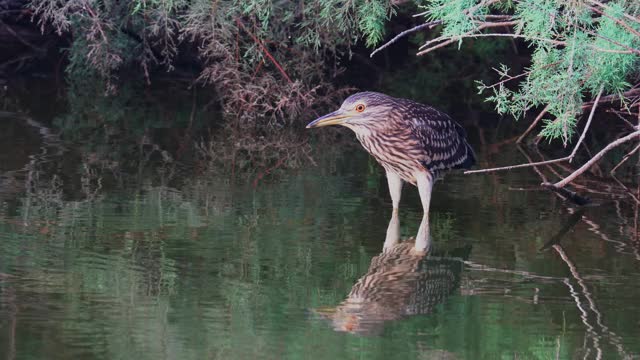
361 109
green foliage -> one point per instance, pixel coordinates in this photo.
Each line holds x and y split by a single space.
578 48
610 68
372 16
455 15
268 59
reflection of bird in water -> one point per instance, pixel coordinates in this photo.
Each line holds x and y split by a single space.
413 142
400 282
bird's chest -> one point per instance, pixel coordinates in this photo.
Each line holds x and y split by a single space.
394 151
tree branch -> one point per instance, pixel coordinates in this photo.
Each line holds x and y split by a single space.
625 158
472 35
429 25
566 158
517 166
608 7
597 157
264 49
586 127
610 98
20 38
533 124
482 26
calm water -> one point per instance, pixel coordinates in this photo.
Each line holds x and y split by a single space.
165 260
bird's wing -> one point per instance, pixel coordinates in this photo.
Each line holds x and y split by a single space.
441 138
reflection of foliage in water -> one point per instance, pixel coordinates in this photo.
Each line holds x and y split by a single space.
118 252
140 127
191 262
97 118
212 266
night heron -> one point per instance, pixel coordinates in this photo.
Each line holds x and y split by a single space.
413 142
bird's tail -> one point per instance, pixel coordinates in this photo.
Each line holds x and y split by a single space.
470 158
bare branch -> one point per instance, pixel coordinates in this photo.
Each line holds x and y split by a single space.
472 35
429 25
482 26
597 157
566 158
533 124
586 127
634 19
630 49
619 115
625 158
617 21
20 38
264 49
609 98
425 51
517 166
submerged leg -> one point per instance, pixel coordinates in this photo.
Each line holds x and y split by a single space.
393 230
424 181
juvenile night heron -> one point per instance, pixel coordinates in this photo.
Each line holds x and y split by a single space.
413 142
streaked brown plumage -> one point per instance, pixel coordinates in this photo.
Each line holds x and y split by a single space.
413 142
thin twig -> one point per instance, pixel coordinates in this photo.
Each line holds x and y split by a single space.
597 157
632 50
610 98
533 124
448 42
17 59
497 17
96 19
264 49
566 158
554 42
482 26
20 38
617 21
628 191
473 34
618 114
508 79
535 168
517 166
429 25
538 139
625 158
623 14
586 127
599 49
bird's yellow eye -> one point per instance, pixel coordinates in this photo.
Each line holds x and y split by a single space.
360 107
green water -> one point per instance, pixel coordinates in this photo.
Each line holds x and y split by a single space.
169 261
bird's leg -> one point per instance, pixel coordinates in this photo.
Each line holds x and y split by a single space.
393 230
424 181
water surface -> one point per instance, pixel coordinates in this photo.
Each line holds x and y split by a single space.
165 260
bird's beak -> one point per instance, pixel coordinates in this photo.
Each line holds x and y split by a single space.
335 118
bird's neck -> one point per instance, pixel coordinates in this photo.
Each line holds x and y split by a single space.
363 131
